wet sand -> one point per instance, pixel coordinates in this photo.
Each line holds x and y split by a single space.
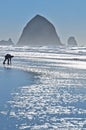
10 79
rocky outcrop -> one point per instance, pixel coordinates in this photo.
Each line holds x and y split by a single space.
39 31
72 42
6 43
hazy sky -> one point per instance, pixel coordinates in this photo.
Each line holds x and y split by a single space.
68 17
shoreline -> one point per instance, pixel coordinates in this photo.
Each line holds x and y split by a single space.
11 79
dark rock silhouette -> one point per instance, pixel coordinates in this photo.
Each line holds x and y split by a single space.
8 58
6 43
72 42
39 31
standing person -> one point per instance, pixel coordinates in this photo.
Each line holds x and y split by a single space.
8 57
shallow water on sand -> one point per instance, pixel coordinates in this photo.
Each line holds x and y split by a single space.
10 80
57 101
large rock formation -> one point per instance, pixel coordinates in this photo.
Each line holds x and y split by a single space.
72 41
39 31
6 43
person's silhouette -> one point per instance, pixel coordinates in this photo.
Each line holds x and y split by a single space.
8 58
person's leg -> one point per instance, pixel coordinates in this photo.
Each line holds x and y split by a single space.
8 61
4 60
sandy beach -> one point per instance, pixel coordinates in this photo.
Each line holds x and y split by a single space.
44 88
10 79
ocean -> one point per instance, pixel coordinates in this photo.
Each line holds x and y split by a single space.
43 89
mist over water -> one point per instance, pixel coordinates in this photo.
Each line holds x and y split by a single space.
52 95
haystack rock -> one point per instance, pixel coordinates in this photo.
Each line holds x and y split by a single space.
39 32
72 42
